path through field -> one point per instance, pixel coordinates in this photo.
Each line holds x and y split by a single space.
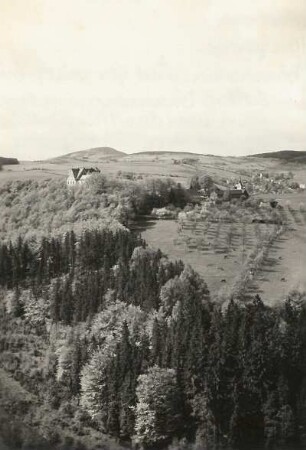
284 269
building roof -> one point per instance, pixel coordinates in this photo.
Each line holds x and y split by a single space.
78 172
221 188
75 172
238 192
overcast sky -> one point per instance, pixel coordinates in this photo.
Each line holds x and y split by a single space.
209 76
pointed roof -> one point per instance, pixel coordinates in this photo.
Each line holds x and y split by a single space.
75 172
78 172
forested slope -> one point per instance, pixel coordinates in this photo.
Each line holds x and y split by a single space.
7 161
287 156
34 209
114 341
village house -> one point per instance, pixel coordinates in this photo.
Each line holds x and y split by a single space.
227 194
238 193
80 175
220 191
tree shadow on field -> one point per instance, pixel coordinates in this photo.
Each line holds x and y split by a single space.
252 290
268 265
268 270
142 225
277 247
263 279
282 238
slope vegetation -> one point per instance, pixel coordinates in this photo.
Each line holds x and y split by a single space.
288 156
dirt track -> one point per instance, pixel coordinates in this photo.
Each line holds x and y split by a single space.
284 269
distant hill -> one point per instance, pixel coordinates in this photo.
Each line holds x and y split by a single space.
166 152
7 161
91 155
290 156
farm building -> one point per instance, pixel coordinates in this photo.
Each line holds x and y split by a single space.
227 194
80 175
205 189
221 191
238 193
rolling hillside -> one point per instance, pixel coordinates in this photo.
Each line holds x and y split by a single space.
180 166
286 156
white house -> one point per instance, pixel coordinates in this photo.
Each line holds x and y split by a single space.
238 185
80 175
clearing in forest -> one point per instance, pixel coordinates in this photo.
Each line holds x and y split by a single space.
238 257
218 251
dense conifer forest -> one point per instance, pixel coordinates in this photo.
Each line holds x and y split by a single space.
114 340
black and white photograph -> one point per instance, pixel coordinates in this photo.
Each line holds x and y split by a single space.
152 225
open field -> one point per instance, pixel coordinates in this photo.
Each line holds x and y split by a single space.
218 257
221 252
30 170
43 170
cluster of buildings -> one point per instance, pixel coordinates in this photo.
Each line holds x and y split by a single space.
231 193
224 193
